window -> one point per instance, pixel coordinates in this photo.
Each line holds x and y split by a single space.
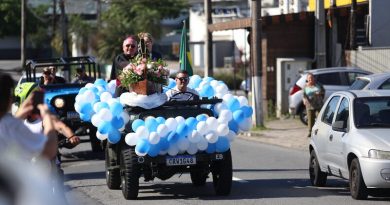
330 109
343 112
352 77
385 85
329 79
359 84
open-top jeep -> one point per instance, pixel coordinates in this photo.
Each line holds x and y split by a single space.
60 97
124 167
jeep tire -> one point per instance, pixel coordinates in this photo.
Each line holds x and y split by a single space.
113 177
130 172
198 175
222 174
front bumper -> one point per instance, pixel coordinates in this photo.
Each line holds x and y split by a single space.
376 172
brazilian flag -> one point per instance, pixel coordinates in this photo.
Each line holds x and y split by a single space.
185 55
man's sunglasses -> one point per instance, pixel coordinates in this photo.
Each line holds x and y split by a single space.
185 79
131 45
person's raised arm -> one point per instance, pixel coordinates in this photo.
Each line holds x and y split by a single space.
65 130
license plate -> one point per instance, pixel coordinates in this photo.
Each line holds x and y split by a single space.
181 160
72 115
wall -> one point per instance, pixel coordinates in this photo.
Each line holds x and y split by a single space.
376 60
380 24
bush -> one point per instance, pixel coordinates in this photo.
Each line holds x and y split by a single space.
228 78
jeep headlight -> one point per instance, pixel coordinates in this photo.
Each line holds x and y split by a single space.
59 103
378 154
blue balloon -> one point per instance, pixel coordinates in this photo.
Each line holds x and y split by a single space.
233 126
163 143
208 91
151 124
248 111
195 80
85 117
94 90
100 82
233 104
101 105
201 117
154 149
114 136
142 146
82 90
104 127
191 123
182 130
238 116
116 108
160 120
172 137
137 123
211 148
222 145
86 109
117 122
208 79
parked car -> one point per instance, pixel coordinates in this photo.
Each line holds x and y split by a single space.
333 79
371 82
350 139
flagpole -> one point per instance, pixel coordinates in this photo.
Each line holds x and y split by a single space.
185 45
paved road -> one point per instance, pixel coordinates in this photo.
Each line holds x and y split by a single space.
263 174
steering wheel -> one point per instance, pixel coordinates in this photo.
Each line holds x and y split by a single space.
189 94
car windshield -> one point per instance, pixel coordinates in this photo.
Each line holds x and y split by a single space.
359 84
372 112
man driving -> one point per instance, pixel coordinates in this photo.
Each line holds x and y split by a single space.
181 92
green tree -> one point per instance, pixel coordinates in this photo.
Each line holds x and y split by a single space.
131 17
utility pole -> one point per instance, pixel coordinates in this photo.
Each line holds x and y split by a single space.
320 34
23 34
256 59
64 28
352 28
208 46
54 22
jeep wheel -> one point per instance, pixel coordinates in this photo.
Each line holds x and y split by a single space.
317 177
113 177
222 174
130 173
198 176
356 183
95 142
303 116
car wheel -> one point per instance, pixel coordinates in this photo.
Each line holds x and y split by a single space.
222 174
317 177
198 176
130 173
303 116
356 183
113 178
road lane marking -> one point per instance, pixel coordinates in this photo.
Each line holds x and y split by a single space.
239 180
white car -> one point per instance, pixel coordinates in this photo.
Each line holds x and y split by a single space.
333 79
380 81
351 139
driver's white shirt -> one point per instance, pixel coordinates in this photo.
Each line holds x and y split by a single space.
183 96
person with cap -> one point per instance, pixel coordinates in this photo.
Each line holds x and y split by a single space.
82 77
181 92
49 76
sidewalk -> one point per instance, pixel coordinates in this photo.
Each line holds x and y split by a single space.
289 133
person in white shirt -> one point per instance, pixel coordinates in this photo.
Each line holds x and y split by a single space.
14 135
181 92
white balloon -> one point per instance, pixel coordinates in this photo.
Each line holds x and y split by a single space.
162 130
101 89
214 83
105 114
227 114
212 123
231 135
222 89
192 148
149 117
111 86
243 101
77 106
89 85
171 124
88 96
112 100
101 136
202 128
105 96
78 98
211 137
227 97
222 129
194 136
183 144
246 124
142 132
125 117
173 150
154 138
180 120
131 139
219 107
96 120
202 144
203 83
223 120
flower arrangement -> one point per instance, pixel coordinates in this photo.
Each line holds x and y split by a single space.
144 68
